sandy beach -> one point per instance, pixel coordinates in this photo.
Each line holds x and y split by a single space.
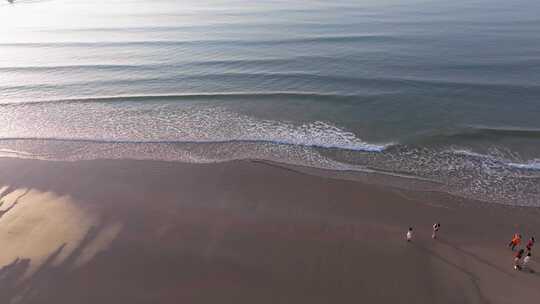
127 231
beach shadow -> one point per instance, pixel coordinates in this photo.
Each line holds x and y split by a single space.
46 278
12 284
3 212
10 275
90 235
472 277
6 192
13 271
476 257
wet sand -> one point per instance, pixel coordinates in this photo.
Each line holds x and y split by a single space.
128 231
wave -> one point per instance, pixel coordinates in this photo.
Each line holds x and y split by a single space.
64 68
473 134
468 153
242 25
232 85
303 59
260 64
180 64
366 147
483 131
311 80
237 42
532 165
16 153
190 96
284 77
527 165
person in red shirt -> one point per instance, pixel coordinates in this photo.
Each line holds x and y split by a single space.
517 259
516 240
530 244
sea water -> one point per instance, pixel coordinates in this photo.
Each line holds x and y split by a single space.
442 90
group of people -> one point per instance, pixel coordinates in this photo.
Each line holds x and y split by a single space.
436 227
515 242
519 264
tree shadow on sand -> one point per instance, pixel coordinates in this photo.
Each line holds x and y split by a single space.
15 202
11 275
36 288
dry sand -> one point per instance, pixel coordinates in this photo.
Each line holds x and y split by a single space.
245 232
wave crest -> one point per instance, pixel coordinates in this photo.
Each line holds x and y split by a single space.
170 122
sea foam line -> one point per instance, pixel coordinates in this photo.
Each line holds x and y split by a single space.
114 98
366 147
530 165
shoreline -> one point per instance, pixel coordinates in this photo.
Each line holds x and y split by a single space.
499 179
403 181
114 231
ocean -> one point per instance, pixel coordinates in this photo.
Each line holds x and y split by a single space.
445 91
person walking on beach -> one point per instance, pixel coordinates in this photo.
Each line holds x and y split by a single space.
526 261
409 234
436 228
517 259
530 244
516 240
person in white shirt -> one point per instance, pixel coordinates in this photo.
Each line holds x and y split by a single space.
409 234
526 261
436 228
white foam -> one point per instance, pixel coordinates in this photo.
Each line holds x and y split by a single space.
170 122
468 153
532 165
